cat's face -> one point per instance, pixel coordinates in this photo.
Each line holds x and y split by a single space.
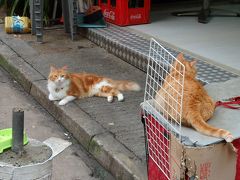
58 76
190 68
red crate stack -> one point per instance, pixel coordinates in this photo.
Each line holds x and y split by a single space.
125 12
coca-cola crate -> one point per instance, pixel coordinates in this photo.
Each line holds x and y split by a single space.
125 12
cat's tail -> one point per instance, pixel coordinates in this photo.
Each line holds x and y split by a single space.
203 127
126 85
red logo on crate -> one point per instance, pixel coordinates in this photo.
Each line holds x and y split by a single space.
136 16
109 14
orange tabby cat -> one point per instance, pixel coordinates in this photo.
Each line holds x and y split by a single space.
197 106
66 87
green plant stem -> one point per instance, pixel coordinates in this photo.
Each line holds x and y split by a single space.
14 7
25 7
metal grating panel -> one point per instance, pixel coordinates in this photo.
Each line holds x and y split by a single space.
163 104
38 18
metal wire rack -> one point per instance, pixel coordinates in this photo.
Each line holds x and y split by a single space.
162 104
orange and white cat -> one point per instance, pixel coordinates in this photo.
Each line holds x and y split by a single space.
197 106
66 87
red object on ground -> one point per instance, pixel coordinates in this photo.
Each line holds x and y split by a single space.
236 144
123 13
61 20
228 104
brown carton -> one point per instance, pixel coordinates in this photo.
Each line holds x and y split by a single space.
213 162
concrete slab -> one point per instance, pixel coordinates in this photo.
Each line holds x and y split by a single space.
17 45
124 159
22 71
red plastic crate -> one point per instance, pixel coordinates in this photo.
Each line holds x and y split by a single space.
158 149
118 12
154 173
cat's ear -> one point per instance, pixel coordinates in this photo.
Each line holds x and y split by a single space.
52 68
64 68
193 63
180 56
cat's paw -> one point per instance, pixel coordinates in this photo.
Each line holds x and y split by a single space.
120 97
62 102
51 98
110 99
229 138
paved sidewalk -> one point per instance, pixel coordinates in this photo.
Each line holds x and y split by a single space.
111 132
74 163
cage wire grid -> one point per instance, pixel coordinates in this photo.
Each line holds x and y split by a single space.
162 104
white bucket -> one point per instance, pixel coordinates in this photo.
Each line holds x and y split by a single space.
39 171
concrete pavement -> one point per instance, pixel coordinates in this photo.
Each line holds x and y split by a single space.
74 163
112 133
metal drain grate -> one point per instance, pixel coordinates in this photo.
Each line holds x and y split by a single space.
134 49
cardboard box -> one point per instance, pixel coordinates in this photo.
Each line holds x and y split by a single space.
212 162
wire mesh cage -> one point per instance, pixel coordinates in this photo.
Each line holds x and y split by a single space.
162 104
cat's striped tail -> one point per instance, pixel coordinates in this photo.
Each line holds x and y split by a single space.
126 85
203 127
